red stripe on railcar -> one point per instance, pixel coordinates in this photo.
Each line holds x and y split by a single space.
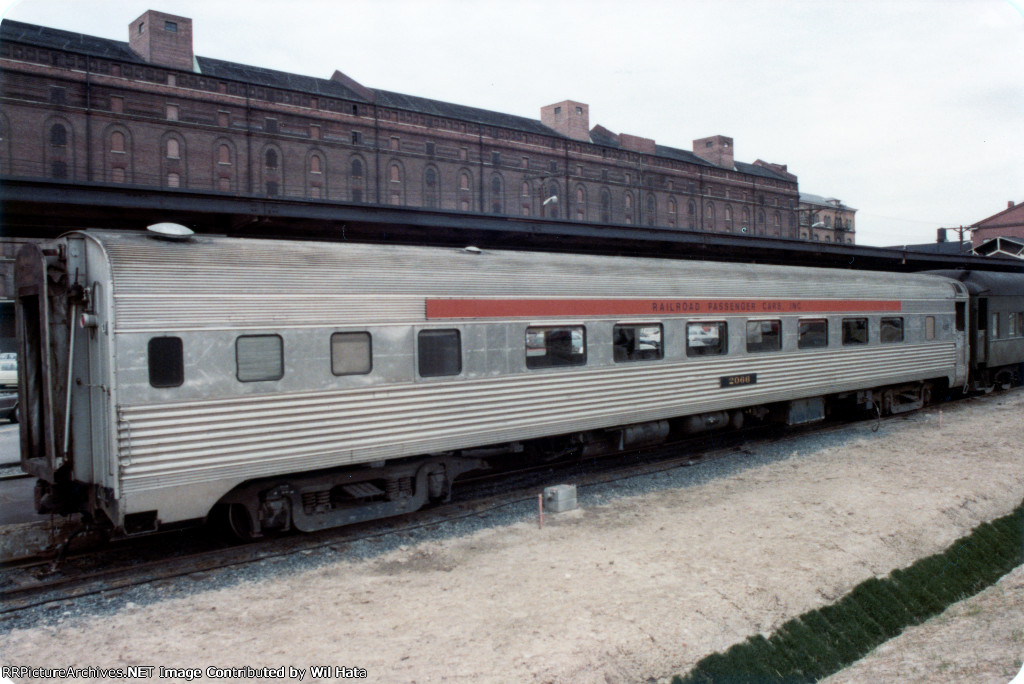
572 308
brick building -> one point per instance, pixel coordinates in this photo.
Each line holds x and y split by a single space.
1007 223
148 112
826 219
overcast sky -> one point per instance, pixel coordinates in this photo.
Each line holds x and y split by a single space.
910 111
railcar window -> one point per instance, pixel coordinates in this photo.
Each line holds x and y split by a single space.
961 316
855 331
351 353
764 336
166 362
638 342
556 346
891 330
707 339
929 327
995 326
439 353
259 357
812 333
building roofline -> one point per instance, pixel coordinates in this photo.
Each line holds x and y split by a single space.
94 46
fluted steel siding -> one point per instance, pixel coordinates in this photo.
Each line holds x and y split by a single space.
234 439
220 282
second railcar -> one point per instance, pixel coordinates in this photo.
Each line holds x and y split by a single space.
996 325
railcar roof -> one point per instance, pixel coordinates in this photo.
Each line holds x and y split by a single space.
212 264
988 282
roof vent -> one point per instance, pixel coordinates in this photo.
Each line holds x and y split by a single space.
170 231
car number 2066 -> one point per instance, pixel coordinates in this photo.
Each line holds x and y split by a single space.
738 380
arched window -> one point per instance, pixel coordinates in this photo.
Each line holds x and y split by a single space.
552 206
173 150
606 206
431 188
463 181
315 165
580 203
117 142
395 181
709 216
497 191
58 135
270 159
691 215
652 210
357 168
223 154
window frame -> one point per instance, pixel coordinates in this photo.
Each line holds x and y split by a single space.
532 361
369 349
437 332
635 355
800 344
238 367
762 350
882 328
847 333
723 339
178 361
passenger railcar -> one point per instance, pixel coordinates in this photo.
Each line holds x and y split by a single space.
996 325
304 385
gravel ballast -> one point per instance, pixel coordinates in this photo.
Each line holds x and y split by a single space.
649 576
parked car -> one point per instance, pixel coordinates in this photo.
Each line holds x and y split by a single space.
8 369
9 406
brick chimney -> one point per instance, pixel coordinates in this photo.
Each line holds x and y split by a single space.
637 144
717 149
355 85
1009 204
162 39
571 119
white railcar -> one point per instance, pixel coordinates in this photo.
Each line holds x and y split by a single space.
304 384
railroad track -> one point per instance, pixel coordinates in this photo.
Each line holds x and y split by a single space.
31 582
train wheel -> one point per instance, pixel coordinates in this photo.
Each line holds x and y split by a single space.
235 520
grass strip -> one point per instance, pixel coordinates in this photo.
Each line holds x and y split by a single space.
824 641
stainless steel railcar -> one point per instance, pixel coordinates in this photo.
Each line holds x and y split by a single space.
299 384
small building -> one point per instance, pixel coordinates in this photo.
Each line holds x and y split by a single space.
826 219
1007 223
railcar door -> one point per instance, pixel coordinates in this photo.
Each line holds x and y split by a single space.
960 336
41 281
50 297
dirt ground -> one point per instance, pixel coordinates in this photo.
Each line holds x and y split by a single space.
638 589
